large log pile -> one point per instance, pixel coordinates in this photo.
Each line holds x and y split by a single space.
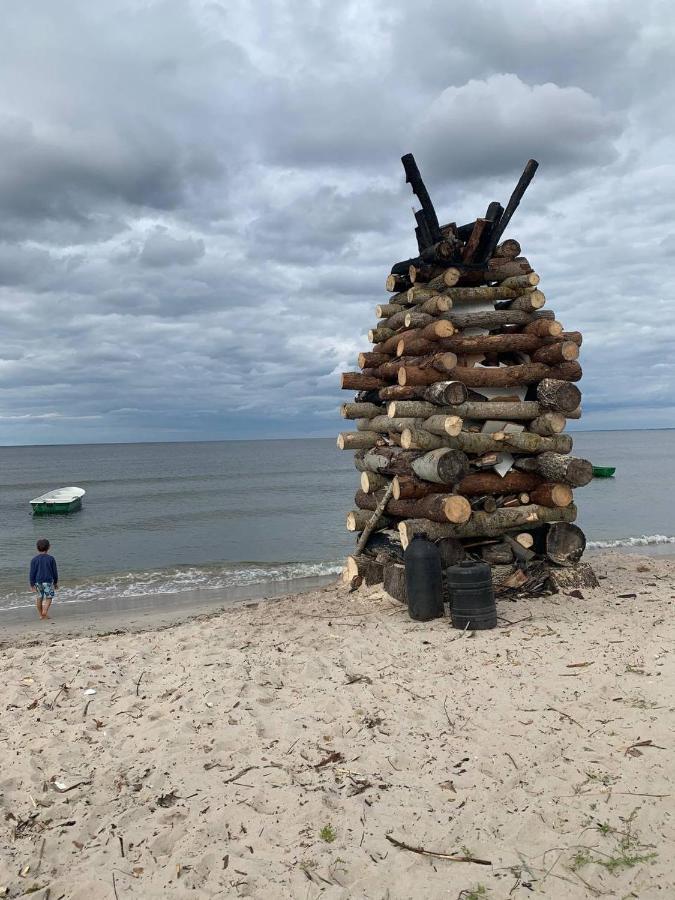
460 411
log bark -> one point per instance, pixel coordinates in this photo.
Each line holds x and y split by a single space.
441 466
372 360
394 582
557 395
451 551
422 273
490 318
502 376
385 425
385 310
563 351
522 410
372 523
476 484
419 439
369 569
358 519
492 343
471 245
486 443
357 381
483 524
387 461
435 507
543 327
508 249
446 392
396 283
529 302
357 440
548 423
441 424
372 482
396 392
575 336
579 576
435 305
380 335
488 293
445 279
554 467
419 293
360 410
549 494
514 201
499 554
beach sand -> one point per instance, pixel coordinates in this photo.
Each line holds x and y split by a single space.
279 749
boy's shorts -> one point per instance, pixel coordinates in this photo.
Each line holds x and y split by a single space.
46 589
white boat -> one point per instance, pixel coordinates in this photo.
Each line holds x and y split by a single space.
62 500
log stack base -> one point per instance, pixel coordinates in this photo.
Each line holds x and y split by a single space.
460 412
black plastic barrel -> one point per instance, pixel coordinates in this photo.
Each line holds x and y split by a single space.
472 598
423 579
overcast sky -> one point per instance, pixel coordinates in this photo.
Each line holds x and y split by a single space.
200 201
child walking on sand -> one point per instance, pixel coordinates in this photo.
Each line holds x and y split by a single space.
44 577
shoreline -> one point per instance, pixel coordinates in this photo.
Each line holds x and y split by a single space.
283 749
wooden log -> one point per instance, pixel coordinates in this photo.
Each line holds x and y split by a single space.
562 351
360 410
486 443
508 249
548 423
514 201
385 310
387 461
380 335
414 179
372 360
492 343
482 524
557 395
435 305
418 409
575 336
521 282
424 375
506 376
369 569
564 543
471 245
497 554
522 410
444 393
385 545
451 551
419 439
441 466
372 524
419 293
445 279
394 582
420 272
524 539
357 440
357 381
396 283
385 425
476 484
372 482
543 327
574 578
435 330
489 319
440 424
358 519
417 320
397 392
435 507
528 302
485 293
549 494
556 467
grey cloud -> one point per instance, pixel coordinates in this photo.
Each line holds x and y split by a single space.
160 249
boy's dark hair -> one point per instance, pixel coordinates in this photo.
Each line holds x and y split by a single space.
43 545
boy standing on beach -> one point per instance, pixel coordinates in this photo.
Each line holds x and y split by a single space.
44 577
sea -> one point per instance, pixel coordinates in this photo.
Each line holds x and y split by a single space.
171 518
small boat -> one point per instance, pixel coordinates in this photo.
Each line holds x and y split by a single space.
604 471
62 500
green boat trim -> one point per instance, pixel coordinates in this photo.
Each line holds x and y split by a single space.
604 471
58 502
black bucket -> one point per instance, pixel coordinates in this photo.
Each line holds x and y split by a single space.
472 598
423 579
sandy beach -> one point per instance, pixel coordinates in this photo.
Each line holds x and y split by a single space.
308 747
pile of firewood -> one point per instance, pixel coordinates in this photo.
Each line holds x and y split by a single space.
460 412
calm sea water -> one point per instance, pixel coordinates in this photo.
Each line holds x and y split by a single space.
166 518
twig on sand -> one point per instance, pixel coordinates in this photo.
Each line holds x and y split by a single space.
239 774
565 716
449 856
114 886
138 683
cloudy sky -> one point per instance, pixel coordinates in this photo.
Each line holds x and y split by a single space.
200 200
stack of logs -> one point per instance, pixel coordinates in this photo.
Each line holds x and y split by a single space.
460 413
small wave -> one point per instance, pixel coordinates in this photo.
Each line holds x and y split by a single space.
182 580
643 540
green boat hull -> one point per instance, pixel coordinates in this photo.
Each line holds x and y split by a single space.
604 471
56 509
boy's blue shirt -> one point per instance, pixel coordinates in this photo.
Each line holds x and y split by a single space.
43 568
